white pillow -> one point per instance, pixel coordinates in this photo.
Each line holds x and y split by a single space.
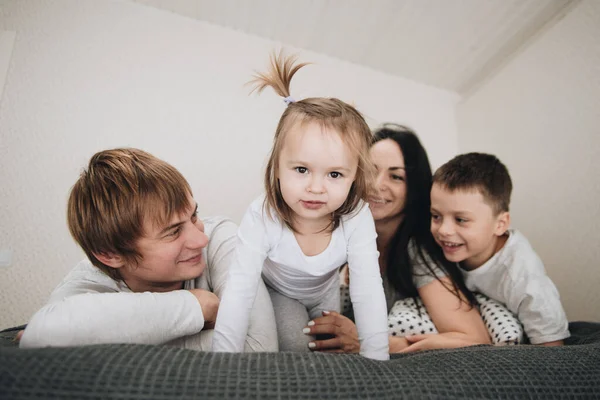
502 325
407 318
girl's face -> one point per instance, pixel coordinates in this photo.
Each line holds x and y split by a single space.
316 172
389 197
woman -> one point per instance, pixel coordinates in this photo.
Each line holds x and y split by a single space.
411 263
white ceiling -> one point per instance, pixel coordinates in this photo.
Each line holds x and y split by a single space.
451 44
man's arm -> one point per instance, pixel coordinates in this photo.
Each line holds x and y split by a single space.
90 308
262 331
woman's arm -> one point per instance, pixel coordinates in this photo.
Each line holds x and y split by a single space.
458 322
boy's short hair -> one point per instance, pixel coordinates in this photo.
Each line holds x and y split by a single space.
110 201
478 171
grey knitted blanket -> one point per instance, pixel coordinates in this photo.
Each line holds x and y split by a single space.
161 372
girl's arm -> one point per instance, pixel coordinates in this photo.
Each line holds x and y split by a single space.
262 331
366 288
242 283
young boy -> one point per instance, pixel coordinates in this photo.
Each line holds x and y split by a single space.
154 272
470 198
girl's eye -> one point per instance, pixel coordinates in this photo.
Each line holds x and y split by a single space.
301 170
335 175
461 220
435 217
397 178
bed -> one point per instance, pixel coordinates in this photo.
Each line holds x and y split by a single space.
121 371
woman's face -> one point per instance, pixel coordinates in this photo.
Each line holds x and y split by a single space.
387 202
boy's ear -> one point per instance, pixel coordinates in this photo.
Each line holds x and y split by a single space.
502 223
111 259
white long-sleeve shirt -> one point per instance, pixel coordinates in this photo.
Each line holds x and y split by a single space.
268 246
89 307
515 276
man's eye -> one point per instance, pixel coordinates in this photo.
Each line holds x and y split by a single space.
175 232
461 220
301 170
335 175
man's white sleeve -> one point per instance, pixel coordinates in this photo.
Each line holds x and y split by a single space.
91 310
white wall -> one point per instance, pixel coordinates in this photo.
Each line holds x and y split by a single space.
541 116
87 75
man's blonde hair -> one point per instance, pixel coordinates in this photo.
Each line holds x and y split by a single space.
330 113
110 201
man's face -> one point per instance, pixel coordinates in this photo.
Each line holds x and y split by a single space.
170 254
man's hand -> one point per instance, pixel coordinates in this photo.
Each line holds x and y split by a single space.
210 306
343 330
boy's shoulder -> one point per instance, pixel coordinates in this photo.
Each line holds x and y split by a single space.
519 256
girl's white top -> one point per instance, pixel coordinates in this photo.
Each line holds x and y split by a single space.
267 245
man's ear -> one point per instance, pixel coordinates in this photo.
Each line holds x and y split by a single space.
111 259
502 223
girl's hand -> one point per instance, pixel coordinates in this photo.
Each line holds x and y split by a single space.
343 330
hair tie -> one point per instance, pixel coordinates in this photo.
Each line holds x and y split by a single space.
289 100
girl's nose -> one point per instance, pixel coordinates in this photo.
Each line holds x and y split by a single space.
316 185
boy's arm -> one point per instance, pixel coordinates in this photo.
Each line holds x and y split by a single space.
262 331
88 308
536 301
366 288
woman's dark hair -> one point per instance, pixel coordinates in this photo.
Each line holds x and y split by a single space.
417 219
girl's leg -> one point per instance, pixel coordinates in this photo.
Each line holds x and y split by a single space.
291 317
329 302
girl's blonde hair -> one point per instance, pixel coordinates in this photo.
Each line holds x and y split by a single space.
330 113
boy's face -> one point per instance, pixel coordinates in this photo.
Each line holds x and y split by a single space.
465 226
316 172
170 254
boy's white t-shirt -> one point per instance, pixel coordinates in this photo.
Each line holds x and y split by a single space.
269 247
515 276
